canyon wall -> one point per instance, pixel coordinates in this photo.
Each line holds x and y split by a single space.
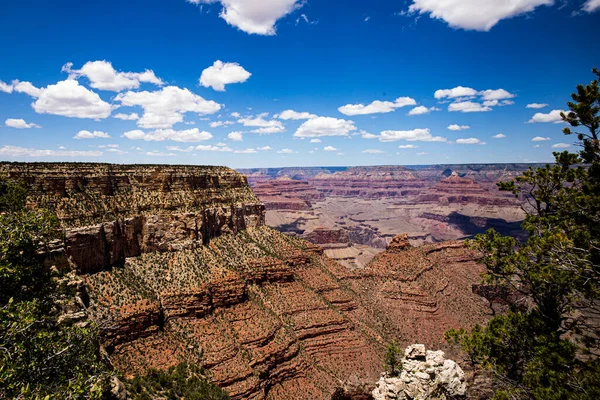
178 265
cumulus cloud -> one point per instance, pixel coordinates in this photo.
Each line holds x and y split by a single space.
552 116
164 108
455 127
220 74
499 136
315 140
540 139
377 106
420 110
329 148
295 115
286 151
367 135
263 126
66 98
591 6
103 76
216 124
223 149
407 146
181 150
5 87
372 151
156 153
246 151
480 15
422 135
469 141
454 93
127 117
16 151
236 136
254 16
561 146
264 148
467 107
19 124
325 126
159 135
498 94
537 105
91 135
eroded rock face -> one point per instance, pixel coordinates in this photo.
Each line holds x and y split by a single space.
426 375
399 243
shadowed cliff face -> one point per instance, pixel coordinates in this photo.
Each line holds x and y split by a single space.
179 266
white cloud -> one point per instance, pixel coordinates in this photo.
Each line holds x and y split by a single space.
67 98
156 153
263 126
591 6
420 110
218 148
480 15
536 105
16 151
377 106
246 151
422 135
116 151
407 146
91 135
165 107
499 136
367 135
561 146
235 114
498 94
127 117
254 16
216 124
422 153
286 151
537 146
455 127
457 92
236 136
498 103
325 126
221 74
372 151
467 107
329 148
315 140
103 76
469 141
295 115
20 124
552 116
265 148
159 135
27 88
181 150
539 139
5 87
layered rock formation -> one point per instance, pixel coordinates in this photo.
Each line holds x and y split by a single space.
173 274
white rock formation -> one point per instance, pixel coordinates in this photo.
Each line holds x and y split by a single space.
426 375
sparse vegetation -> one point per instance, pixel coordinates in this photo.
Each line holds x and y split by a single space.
393 364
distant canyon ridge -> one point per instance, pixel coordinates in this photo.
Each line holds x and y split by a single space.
354 212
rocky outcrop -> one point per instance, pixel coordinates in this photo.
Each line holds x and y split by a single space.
399 243
425 375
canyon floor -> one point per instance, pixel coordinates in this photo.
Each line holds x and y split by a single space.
354 212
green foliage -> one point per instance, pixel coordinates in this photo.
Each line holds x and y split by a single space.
185 381
392 360
546 345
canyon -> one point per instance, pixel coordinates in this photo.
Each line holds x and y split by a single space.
354 212
178 263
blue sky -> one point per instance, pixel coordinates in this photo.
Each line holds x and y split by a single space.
265 83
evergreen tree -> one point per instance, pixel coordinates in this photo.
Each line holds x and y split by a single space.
546 345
